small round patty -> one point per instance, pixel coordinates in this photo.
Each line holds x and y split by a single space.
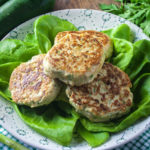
101 37
75 60
107 97
30 86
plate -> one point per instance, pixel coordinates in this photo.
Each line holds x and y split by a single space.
83 19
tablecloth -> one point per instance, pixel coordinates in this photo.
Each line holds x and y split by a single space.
140 143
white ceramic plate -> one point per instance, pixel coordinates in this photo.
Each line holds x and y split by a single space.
84 20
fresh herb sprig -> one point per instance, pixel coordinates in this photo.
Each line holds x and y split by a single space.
136 11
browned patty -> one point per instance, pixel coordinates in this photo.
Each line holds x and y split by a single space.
30 86
75 60
101 37
107 97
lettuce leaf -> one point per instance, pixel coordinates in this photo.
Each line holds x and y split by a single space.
140 62
12 53
30 38
121 31
12 50
46 27
93 139
6 70
50 121
123 53
4 92
144 90
122 37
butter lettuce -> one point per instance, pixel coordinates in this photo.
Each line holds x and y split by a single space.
140 62
12 53
6 70
142 92
30 38
122 31
93 139
46 27
123 53
122 37
50 121
58 121
12 50
4 90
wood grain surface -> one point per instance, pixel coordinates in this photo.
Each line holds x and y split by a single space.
88 4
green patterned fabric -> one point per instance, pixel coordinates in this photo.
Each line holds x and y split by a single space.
140 143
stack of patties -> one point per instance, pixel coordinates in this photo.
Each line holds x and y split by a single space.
97 90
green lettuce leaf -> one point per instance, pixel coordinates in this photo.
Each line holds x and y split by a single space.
140 62
144 90
30 38
121 31
50 121
122 37
12 53
6 70
46 27
4 92
16 51
123 53
93 139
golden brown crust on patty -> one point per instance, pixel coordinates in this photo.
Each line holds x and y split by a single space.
30 86
107 97
101 37
75 55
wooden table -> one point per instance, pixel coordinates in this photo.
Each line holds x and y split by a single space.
88 4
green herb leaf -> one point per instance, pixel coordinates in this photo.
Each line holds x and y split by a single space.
106 7
136 11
